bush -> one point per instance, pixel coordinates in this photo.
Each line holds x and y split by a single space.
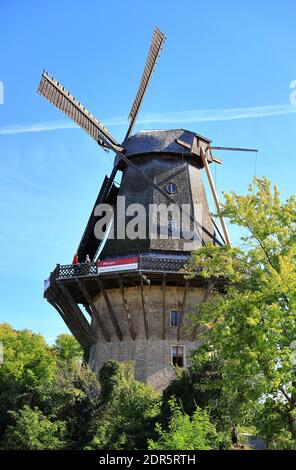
196 433
34 431
127 412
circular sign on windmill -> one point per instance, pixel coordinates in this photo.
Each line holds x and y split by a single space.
171 188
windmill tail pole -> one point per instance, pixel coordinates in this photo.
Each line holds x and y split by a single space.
215 196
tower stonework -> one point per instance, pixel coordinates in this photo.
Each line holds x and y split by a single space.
152 356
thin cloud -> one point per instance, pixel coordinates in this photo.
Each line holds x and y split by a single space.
178 117
218 114
36 127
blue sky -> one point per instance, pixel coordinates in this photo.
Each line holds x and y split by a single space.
219 55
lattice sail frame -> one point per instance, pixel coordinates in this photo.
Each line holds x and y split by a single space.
154 51
56 94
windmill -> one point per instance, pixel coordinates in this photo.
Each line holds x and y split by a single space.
143 274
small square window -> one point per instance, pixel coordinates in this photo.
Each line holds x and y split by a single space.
178 356
175 318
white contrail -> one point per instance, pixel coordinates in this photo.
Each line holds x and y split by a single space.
218 114
36 127
178 117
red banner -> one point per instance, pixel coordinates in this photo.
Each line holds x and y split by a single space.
119 264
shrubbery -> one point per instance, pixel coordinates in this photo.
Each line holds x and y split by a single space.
49 399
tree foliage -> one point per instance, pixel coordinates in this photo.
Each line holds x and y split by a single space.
128 409
28 370
201 386
67 350
50 399
185 432
34 431
249 320
27 359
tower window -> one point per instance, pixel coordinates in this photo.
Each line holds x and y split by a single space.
175 318
178 356
171 188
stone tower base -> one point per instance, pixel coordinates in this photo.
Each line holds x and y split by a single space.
152 358
151 347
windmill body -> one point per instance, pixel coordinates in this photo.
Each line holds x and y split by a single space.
172 168
132 301
150 304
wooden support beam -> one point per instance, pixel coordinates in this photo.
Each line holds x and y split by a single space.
110 310
183 310
93 311
183 144
194 148
74 332
144 309
126 309
82 340
213 189
163 306
77 313
88 310
236 149
218 230
70 318
217 160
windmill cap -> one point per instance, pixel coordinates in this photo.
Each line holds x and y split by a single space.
160 141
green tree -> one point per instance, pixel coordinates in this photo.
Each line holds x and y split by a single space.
27 358
74 398
67 350
127 412
34 431
271 424
201 385
50 379
185 432
27 372
249 320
